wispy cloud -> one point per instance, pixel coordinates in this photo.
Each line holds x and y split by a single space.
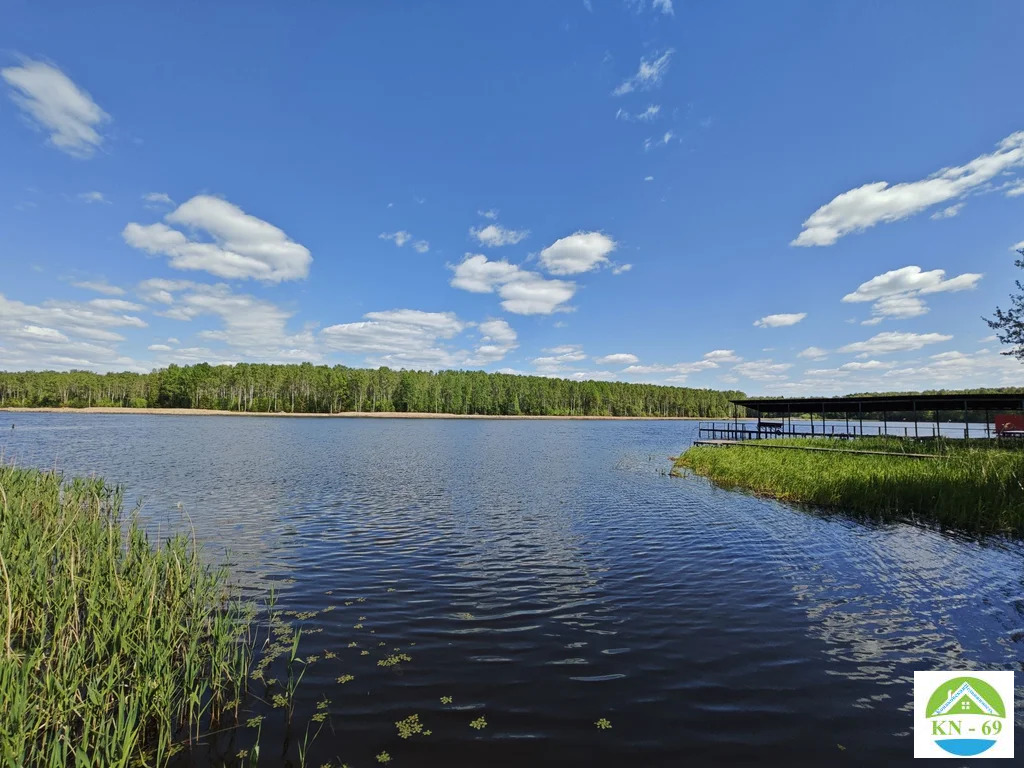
867 205
53 103
649 75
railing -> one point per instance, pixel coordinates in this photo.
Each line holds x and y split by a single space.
752 430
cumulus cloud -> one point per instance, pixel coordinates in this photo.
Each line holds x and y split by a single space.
867 205
618 269
252 328
763 370
491 214
649 75
421 246
723 356
495 235
117 305
497 339
576 253
814 353
522 292
618 358
665 6
63 335
780 320
894 341
897 293
240 246
400 338
53 103
559 358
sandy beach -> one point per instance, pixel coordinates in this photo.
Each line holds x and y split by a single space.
344 415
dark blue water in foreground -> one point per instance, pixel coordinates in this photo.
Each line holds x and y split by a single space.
545 574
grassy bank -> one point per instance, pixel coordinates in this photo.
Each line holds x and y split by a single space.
975 485
112 650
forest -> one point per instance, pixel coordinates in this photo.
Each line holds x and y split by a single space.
307 388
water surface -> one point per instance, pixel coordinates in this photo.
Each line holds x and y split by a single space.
545 574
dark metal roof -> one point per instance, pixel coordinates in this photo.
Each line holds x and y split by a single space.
876 403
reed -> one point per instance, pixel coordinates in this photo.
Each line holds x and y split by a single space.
970 485
113 651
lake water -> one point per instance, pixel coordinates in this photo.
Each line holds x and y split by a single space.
545 574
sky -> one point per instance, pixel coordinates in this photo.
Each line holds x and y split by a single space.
782 198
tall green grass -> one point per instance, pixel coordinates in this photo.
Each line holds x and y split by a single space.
113 652
973 487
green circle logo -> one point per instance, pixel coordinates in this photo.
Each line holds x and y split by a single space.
966 715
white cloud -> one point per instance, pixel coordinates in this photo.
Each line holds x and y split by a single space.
814 353
909 280
477 274
576 253
496 235
62 335
100 286
780 320
399 238
157 199
897 293
497 339
53 103
531 294
618 269
648 178
763 370
894 341
618 358
649 75
159 348
723 356
558 358
400 338
665 139
646 116
243 246
665 6
421 246
92 197
116 305
681 369
253 328
488 214
948 212
1016 189
867 205
523 292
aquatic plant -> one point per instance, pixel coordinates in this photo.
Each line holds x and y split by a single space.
976 485
409 727
480 723
112 651
446 699
603 723
394 660
383 757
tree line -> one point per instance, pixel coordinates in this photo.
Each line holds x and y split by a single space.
308 388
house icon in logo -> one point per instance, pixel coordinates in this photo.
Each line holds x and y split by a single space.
964 701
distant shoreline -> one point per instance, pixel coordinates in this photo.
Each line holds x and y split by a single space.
343 415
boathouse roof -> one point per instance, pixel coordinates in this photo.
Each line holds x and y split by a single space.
1004 401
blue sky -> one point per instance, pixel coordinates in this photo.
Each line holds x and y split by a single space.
790 197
